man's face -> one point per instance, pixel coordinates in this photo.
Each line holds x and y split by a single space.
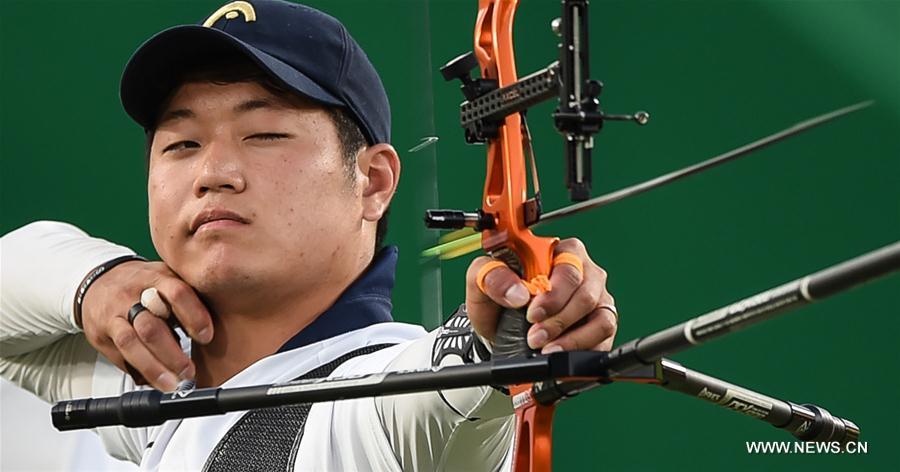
247 190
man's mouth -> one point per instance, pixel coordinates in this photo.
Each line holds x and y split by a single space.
216 218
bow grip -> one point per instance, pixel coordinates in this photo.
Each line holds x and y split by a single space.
511 339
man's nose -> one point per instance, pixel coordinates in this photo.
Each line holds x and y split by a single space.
220 171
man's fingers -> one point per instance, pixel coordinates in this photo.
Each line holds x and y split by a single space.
569 316
190 311
147 350
500 287
597 333
565 278
110 352
585 299
135 353
157 337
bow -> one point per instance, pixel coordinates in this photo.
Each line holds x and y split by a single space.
494 113
493 34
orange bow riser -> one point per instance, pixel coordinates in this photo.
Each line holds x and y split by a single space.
505 194
493 114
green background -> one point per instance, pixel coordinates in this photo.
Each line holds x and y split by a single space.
713 74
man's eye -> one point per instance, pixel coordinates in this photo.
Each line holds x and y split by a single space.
268 136
181 145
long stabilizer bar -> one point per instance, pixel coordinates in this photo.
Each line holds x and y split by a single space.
152 407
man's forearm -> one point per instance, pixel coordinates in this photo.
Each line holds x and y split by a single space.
42 266
41 347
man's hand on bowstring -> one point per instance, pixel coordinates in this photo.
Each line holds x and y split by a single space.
577 314
147 345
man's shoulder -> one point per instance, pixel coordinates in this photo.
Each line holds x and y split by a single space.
392 334
389 340
288 365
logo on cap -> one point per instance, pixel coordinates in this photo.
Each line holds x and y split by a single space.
232 11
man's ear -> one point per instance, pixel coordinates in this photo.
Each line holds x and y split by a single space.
380 168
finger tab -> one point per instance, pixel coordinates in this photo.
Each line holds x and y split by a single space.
483 272
570 259
151 299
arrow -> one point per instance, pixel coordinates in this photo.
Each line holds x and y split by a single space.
466 241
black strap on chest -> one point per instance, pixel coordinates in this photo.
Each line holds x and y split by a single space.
268 439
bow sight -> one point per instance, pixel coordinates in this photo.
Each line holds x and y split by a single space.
577 117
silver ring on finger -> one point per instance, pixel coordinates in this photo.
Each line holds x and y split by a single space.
612 309
134 311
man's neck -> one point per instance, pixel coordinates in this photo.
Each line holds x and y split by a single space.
260 324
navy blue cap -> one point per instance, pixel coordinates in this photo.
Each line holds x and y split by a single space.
308 51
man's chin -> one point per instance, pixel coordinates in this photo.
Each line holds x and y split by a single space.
224 288
221 272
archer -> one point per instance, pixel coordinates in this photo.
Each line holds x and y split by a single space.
270 176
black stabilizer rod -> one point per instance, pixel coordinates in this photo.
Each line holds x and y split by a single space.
755 309
805 422
152 407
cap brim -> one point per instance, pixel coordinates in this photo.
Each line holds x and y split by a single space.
158 65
